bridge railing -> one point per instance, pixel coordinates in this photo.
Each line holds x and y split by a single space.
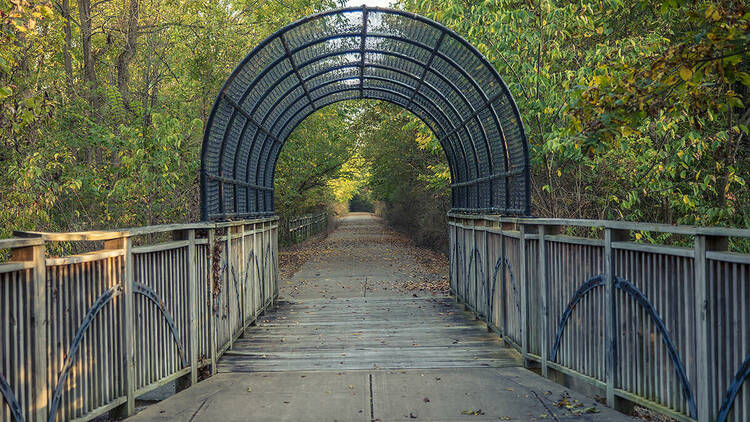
84 334
665 327
298 229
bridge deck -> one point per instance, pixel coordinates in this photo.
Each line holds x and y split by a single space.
346 343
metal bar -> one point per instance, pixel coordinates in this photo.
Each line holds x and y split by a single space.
397 94
239 182
488 178
294 68
249 118
426 68
363 37
618 225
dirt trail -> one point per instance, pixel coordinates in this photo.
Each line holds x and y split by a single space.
362 257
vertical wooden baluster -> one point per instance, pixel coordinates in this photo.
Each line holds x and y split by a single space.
609 317
210 294
543 291
194 305
524 284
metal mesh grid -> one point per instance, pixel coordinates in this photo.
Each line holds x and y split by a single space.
358 53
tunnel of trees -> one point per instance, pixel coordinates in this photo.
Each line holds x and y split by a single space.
365 53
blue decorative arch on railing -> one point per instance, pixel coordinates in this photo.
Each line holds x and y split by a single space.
10 398
498 265
490 299
635 293
459 265
151 295
236 289
99 303
476 256
734 389
590 284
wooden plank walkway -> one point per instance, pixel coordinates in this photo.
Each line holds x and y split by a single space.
347 343
367 333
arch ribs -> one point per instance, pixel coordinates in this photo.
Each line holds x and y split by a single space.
380 54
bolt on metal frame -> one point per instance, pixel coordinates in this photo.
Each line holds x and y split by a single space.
365 53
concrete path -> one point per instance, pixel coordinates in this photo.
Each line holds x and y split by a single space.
347 343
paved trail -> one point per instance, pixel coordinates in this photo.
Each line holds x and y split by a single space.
348 343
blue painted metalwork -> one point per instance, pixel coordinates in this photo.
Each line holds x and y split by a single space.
273 89
513 286
498 264
590 284
10 398
635 293
102 300
478 260
236 288
151 295
739 378
490 299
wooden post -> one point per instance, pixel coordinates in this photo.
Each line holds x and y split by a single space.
128 321
474 283
227 288
212 316
703 357
610 313
193 300
240 277
543 292
487 274
502 326
275 238
36 254
524 281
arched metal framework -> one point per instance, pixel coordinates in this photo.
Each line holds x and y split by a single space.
358 53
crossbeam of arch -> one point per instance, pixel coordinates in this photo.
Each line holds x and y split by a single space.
365 53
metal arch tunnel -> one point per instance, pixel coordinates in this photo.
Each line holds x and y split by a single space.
365 53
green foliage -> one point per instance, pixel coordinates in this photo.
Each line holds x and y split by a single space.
313 160
635 110
408 171
120 145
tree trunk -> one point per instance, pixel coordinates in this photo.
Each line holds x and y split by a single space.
89 72
128 51
68 46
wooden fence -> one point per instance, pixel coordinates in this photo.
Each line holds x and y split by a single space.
300 228
84 334
665 327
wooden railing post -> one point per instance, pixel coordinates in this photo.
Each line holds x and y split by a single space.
193 300
610 313
543 292
212 300
610 317
128 321
524 281
275 238
36 255
502 325
703 358
240 278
